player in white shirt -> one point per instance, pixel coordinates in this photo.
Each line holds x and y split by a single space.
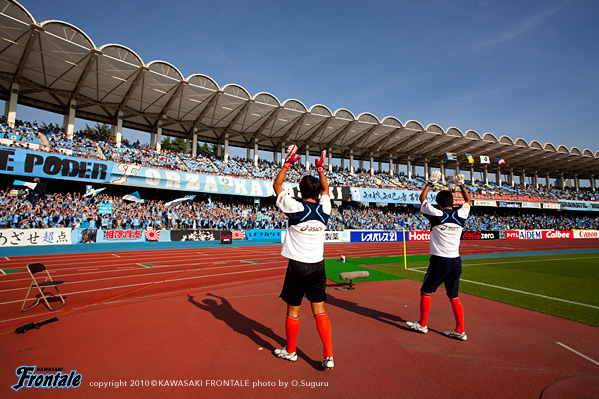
304 247
445 262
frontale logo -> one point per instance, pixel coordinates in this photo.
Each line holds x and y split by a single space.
28 379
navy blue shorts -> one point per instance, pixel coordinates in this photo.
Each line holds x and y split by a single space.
443 270
307 279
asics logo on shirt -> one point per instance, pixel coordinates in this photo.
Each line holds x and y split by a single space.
448 228
310 228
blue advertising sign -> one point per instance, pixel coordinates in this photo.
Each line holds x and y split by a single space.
508 204
377 236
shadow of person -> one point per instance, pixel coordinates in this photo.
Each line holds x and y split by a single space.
244 325
377 315
240 323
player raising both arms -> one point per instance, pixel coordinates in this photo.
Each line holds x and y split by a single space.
445 262
304 247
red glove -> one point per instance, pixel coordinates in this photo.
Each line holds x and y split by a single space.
291 157
320 162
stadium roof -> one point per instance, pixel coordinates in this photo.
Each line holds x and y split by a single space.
54 62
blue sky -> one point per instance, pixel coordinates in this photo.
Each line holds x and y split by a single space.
525 69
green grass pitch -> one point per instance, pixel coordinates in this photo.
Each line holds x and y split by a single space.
565 286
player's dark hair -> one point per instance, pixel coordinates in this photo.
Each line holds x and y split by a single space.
310 187
445 199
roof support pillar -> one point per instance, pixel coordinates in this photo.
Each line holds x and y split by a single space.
593 185
361 164
330 158
511 177
409 167
275 155
351 162
442 169
256 152
371 164
498 176
536 180
486 175
307 157
10 107
159 136
576 182
471 174
390 165
523 178
426 171
194 143
226 148
117 129
562 182
69 119
548 180
283 153
457 168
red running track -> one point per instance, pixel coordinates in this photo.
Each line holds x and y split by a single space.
143 321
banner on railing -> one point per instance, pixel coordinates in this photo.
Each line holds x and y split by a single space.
197 235
361 194
579 205
27 237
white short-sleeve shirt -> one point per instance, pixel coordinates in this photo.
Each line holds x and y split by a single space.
304 238
446 228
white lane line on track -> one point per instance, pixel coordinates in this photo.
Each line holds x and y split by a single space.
6 258
147 297
116 255
171 273
522 292
61 276
578 353
108 268
160 282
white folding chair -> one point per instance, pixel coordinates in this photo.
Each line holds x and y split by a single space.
34 268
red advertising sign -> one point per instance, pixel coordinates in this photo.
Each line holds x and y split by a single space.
557 234
419 236
512 235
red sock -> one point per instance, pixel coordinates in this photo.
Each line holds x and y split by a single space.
291 329
323 325
458 313
425 308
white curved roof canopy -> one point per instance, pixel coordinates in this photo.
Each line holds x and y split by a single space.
54 62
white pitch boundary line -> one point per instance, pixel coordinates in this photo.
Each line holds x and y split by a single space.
578 353
161 281
523 292
504 263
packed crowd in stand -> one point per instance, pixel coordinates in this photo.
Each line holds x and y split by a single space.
73 210
53 210
86 144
